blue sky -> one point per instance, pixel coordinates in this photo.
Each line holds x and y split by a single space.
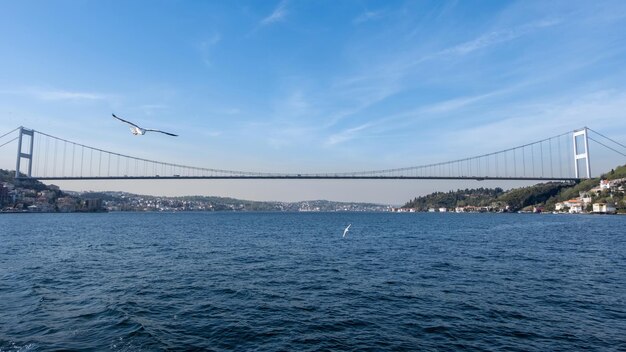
308 86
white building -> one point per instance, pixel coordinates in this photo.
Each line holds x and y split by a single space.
604 208
605 184
575 206
585 198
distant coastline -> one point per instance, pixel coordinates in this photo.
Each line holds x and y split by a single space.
603 195
32 196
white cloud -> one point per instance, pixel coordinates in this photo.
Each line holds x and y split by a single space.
232 111
206 48
55 94
67 95
289 135
601 110
455 104
378 82
295 104
367 16
153 106
497 37
212 133
277 15
347 134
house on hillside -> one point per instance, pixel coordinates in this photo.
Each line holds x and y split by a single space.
573 206
611 184
605 184
585 197
604 208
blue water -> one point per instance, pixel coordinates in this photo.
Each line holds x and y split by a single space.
290 282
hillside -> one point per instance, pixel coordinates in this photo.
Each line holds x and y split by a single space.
536 195
617 173
542 195
472 197
122 201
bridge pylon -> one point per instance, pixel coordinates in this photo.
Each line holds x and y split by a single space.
581 153
549 159
25 153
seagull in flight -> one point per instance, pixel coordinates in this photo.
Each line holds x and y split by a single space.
346 230
136 130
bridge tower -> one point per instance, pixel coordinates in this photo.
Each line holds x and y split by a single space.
581 153
23 153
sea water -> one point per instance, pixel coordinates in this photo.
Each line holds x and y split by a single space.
291 282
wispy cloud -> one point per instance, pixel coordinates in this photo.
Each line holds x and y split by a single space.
212 134
601 110
367 16
206 48
153 106
346 135
151 109
67 95
497 37
229 111
277 15
295 104
55 94
455 104
376 83
406 120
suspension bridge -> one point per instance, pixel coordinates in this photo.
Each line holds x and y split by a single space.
563 157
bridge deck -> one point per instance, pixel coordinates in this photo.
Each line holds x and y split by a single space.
307 177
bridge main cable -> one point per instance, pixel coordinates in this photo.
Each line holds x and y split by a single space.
511 163
155 162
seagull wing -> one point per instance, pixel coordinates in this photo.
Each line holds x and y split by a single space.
128 122
167 133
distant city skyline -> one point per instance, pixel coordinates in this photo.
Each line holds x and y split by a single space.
311 86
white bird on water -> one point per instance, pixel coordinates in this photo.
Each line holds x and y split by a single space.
346 230
136 130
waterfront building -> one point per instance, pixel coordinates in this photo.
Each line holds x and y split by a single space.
575 206
604 208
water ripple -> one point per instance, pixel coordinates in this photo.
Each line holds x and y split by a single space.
144 282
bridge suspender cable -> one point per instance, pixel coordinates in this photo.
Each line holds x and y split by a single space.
544 161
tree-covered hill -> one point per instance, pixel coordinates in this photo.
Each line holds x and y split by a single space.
473 197
617 173
540 195
536 195
9 177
